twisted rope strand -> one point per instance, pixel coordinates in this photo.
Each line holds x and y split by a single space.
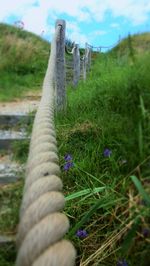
42 226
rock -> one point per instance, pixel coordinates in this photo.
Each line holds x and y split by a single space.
6 239
7 137
13 120
10 172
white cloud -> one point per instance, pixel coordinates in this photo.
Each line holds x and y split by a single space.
99 32
134 10
74 33
83 10
37 17
84 16
8 7
114 25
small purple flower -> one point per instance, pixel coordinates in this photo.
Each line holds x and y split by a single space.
107 152
146 232
68 165
81 233
122 262
68 157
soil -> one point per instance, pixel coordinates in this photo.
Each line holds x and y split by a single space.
18 107
29 104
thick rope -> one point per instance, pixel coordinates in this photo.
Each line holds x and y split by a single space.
67 51
42 226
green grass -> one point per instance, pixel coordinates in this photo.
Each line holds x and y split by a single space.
105 112
140 44
10 198
106 196
23 62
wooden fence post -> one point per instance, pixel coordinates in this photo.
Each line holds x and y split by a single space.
86 61
89 58
76 64
84 67
60 75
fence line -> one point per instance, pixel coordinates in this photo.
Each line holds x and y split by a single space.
99 48
85 60
42 226
76 64
80 64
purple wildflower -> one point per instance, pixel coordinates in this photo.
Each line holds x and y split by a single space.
81 233
146 232
122 263
68 165
68 157
107 152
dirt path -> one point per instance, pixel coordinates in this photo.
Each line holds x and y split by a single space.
29 104
18 107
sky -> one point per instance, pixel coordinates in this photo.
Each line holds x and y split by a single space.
97 22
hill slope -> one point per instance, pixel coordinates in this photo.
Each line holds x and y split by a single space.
134 44
23 61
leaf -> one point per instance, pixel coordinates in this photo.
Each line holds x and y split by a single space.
142 106
141 190
84 192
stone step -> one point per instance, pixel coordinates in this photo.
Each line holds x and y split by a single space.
5 240
7 120
9 178
10 172
8 137
19 107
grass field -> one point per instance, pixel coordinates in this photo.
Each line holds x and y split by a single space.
106 134
23 62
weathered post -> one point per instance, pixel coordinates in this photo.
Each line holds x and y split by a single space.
60 76
89 58
84 67
76 64
86 60
88 55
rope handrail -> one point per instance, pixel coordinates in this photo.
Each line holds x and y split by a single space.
42 226
67 51
100 47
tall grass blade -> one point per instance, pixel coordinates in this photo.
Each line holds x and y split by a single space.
142 106
141 190
84 192
140 140
128 241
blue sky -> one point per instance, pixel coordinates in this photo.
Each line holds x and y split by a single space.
98 22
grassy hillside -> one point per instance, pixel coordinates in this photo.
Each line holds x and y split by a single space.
133 45
107 129
106 134
23 61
